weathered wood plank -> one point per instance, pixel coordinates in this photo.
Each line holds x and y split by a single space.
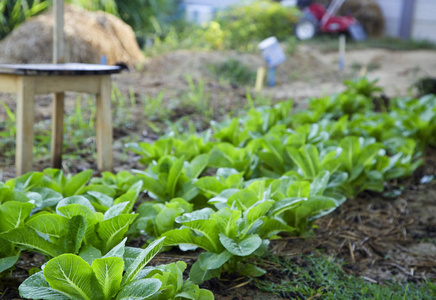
58 32
57 84
8 83
25 120
104 126
57 130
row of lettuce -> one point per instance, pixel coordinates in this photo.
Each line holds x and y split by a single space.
229 191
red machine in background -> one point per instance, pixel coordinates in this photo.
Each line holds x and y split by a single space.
319 19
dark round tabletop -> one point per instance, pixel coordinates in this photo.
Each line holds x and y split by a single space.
70 69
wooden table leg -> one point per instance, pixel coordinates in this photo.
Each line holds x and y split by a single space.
104 126
25 119
57 130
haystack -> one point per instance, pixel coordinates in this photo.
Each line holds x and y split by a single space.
88 36
367 12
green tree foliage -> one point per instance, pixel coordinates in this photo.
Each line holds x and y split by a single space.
247 23
13 13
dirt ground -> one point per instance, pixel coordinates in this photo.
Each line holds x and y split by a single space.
307 73
380 239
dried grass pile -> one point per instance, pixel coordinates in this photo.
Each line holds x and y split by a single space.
367 12
88 36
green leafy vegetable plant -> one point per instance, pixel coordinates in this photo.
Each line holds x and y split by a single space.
121 274
172 177
75 227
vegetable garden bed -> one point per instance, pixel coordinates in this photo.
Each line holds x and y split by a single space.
338 176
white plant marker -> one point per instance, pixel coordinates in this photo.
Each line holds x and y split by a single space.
341 52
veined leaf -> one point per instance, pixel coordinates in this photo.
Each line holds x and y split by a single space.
188 191
272 227
106 189
243 199
115 210
286 204
75 200
307 158
298 189
165 219
108 272
102 199
259 187
351 149
89 254
112 231
36 287
49 197
171 277
8 262
130 254
152 185
50 224
221 156
275 146
241 248
30 239
140 289
118 250
174 175
13 214
205 227
210 261
76 229
198 275
27 181
221 200
337 178
254 214
197 166
71 275
185 236
210 186
131 196
76 183
252 271
201 214
319 184
234 180
141 260
319 206
72 210
227 221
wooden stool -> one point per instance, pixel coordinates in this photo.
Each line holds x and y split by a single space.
29 80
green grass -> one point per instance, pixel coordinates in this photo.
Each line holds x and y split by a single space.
234 72
79 123
318 277
79 127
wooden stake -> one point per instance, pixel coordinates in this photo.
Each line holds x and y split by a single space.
104 126
58 98
260 76
25 119
57 130
58 32
363 71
